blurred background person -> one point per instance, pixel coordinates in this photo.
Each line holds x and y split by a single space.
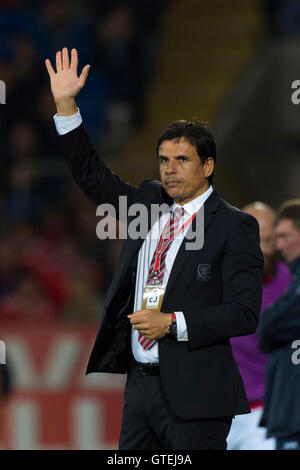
279 327
245 433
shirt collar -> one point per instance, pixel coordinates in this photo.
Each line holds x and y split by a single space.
194 205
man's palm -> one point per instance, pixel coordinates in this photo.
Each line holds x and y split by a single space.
65 83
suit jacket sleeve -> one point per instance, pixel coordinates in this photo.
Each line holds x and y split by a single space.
242 290
96 180
280 323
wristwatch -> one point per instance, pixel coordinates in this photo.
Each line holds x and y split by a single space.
173 326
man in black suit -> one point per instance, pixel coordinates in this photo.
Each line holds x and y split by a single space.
183 386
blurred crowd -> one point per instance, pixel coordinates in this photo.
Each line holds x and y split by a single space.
52 266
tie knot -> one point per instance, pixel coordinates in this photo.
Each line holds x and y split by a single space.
178 212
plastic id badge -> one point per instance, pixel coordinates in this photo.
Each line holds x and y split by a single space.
153 297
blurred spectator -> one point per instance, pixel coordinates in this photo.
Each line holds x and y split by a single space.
245 433
60 25
44 109
24 254
84 221
29 183
55 223
26 78
126 42
117 53
73 260
21 195
279 327
85 283
41 258
85 302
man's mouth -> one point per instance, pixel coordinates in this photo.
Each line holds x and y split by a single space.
172 183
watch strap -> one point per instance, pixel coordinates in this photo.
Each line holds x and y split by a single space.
173 326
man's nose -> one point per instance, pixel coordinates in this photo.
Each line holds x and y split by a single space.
171 168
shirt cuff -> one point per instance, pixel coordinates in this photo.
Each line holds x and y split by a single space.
65 124
181 327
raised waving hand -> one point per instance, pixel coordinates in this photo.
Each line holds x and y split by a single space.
65 83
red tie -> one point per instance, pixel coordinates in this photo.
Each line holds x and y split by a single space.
172 227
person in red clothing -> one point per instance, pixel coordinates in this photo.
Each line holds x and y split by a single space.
245 434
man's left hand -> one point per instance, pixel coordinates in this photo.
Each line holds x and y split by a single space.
151 323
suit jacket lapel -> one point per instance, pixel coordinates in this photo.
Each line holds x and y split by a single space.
131 247
210 208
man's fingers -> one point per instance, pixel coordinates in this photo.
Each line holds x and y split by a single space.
49 67
74 59
136 317
140 316
58 62
139 312
140 324
143 331
65 58
137 321
84 74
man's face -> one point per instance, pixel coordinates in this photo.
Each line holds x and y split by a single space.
267 241
288 240
182 173
265 219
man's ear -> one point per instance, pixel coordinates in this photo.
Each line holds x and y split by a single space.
208 165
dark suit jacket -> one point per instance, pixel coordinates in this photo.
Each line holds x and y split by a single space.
199 378
279 328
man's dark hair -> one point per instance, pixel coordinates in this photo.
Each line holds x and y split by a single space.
289 210
195 132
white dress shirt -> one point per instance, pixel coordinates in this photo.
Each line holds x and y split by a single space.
69 123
